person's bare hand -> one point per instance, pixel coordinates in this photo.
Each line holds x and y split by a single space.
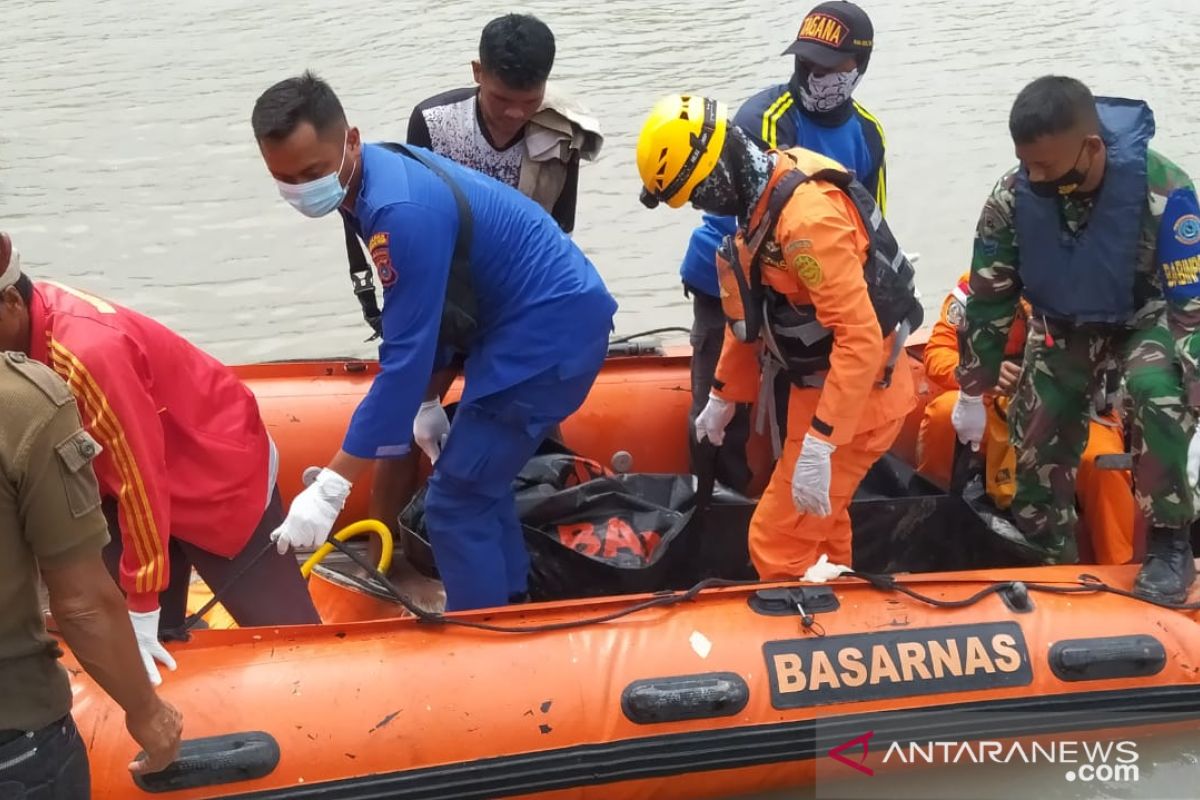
158 732
1010 371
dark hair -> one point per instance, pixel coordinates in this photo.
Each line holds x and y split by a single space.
518 49
24 286
280 109
1052 104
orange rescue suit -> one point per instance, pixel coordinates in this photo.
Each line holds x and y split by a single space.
816 258
1105 496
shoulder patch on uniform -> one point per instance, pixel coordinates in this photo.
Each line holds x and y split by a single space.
1187 229
40 376
378 245
955 312
991 220
1178 246
808 269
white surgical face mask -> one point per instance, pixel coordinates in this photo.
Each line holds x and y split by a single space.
827 92
318 197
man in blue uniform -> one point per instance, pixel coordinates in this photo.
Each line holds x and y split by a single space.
515 126
814 110
467 266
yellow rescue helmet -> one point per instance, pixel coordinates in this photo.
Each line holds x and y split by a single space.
678 147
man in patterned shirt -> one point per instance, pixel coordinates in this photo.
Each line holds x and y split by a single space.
1102 236
484 127
511 128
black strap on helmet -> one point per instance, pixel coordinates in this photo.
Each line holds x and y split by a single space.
700 142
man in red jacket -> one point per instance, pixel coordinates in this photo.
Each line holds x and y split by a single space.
186 468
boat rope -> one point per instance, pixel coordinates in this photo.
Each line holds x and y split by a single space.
658 600
194 619
1085 584
651 332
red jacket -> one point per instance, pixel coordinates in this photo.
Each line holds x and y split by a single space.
186 453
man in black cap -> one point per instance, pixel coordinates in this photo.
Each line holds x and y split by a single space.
813 110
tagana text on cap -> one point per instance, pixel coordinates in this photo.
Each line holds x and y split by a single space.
833 32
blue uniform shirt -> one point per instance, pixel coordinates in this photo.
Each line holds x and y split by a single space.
774 120
542 305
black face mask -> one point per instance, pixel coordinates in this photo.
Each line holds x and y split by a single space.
801 71
1065 184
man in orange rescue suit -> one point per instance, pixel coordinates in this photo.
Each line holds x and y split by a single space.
815 285
186 468
1105 496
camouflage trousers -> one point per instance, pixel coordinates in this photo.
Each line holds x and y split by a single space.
1048 423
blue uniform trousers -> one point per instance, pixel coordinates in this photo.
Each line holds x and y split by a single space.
470 512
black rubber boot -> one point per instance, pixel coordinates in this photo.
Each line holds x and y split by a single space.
1169 569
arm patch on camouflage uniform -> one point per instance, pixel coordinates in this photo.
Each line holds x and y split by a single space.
955 313
1179 246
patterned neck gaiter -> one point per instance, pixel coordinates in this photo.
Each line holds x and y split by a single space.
827 92
738 179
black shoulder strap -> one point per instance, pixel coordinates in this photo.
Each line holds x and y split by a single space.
361 280
749 276
784 188
458 319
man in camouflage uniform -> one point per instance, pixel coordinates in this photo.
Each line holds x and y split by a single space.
1097 232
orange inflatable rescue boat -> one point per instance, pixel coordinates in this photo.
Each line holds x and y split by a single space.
730 689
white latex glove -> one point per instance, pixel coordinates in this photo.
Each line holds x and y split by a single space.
714 419
1193 459
145 630
824 570
810 478
430 428
969 419
313 512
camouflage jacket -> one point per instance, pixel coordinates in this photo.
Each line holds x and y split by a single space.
996 281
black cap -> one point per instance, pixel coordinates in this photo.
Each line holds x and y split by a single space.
833 32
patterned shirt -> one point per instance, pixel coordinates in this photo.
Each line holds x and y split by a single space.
450 124
452 127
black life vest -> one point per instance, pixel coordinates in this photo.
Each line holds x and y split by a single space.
792 333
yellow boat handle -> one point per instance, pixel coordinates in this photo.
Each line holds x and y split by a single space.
354 529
